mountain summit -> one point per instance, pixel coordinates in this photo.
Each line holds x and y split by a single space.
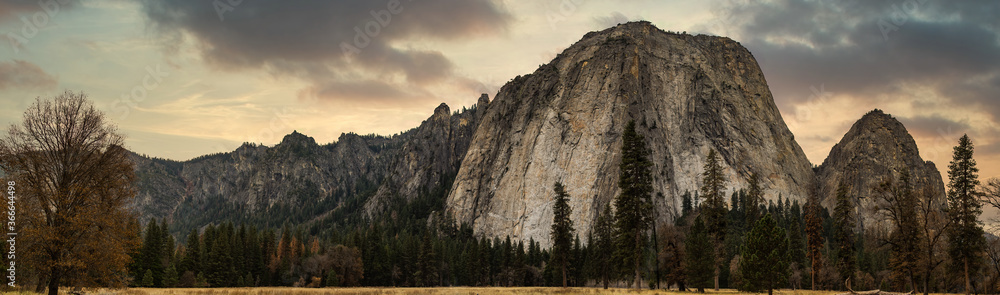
493 166
687 94
876 149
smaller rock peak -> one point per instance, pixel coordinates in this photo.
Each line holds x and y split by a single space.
877 117
484 100
296 137
442 110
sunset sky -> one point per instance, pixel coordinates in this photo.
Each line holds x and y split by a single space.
187 78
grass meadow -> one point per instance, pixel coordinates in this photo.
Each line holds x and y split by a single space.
404 291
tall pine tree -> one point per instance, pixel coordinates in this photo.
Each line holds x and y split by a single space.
633 208
714 208
700 259
604 232
966 240
814 237
843 232
754 199
764 257
562 231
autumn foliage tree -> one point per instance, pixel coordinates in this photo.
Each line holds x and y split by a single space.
74 178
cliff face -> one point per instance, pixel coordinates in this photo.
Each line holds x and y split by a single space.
430 157
688 94
876 149
494 165
298 180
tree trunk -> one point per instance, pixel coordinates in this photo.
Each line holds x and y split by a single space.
968 284
638 236
656 254
770 291
564 274
812 275
54 281
716 277
40 284
637 277
605 277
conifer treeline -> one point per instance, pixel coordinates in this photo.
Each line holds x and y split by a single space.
928 243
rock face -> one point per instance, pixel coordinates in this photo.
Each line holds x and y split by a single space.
876 149
430 157
298 180
494 165
687 94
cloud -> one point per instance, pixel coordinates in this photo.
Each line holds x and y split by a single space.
610 20
13 10
337 46
19 74
871 50
930 126
9 9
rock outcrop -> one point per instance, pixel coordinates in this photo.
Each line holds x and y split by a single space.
494 165
688 94
876 149
298 180
430 158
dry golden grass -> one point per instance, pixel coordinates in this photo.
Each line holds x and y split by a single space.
406 291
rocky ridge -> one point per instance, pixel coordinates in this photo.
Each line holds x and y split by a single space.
876 149
688 94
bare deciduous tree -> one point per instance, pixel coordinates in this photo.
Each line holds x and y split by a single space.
74 178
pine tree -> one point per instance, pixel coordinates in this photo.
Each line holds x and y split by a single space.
966 240
427 271
633 205
844 234
562 231
754 199
764 263
796 243
686 204
700 256
152 252
147 279
170 277
814 237
192 256
604 244
714 208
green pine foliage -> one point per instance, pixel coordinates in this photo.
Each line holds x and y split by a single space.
700 256
764 257
844 234
604 246
562 232
633 206
966 242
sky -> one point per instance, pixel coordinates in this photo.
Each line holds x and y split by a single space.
183 78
